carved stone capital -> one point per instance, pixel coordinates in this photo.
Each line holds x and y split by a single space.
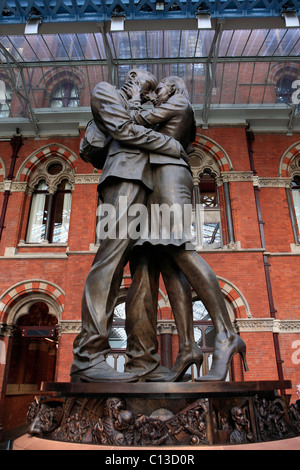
166 327
7 185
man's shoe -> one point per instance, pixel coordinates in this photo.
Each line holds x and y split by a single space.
102 372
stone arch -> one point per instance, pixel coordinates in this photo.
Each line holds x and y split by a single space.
16 297
210 155
22 307
290 161
238 305
163 299
287 69
232 294
235 298
41 155
53 77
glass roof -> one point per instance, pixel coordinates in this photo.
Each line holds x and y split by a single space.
151 45
220 67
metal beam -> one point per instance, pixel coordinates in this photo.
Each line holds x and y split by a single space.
10 58
90 10
211 65
150 61
112 73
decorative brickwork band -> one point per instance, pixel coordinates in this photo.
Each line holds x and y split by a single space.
15 293
40 156
289 162
215 151
235 299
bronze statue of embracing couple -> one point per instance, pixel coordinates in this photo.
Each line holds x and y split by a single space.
143 154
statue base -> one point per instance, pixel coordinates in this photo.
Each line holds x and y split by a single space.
190 414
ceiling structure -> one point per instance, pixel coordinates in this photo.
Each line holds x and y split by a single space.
243 68
18 11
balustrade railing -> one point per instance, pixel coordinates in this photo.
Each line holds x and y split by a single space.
117 360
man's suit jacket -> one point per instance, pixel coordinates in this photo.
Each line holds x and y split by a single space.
128 154
174 118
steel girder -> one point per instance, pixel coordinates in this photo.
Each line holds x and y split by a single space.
19 11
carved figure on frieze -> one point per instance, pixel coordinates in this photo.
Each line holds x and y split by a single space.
151 431
119 426
108 429
44 415
242 432
272 419
126 424
294 413
75 429
191 423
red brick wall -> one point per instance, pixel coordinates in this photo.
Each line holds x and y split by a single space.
242 268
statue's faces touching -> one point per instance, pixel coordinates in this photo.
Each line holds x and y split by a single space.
144 81
163 92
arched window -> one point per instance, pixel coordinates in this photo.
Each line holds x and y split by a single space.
49 216
118 339
211 210
5 99
34 347
207 215
284 89
296 200
204 331
65 95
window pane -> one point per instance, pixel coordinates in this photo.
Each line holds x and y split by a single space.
39 46
62 214
209 213
155 45
119 312
38 215
72 46
118 337
199 311
56 46
138 44
204 333
188 43
65 95
89 46
5 99
296 200
121 44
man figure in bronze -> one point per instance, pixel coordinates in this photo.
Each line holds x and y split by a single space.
126 173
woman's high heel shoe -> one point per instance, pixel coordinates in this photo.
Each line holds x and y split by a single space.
222 356
184 360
